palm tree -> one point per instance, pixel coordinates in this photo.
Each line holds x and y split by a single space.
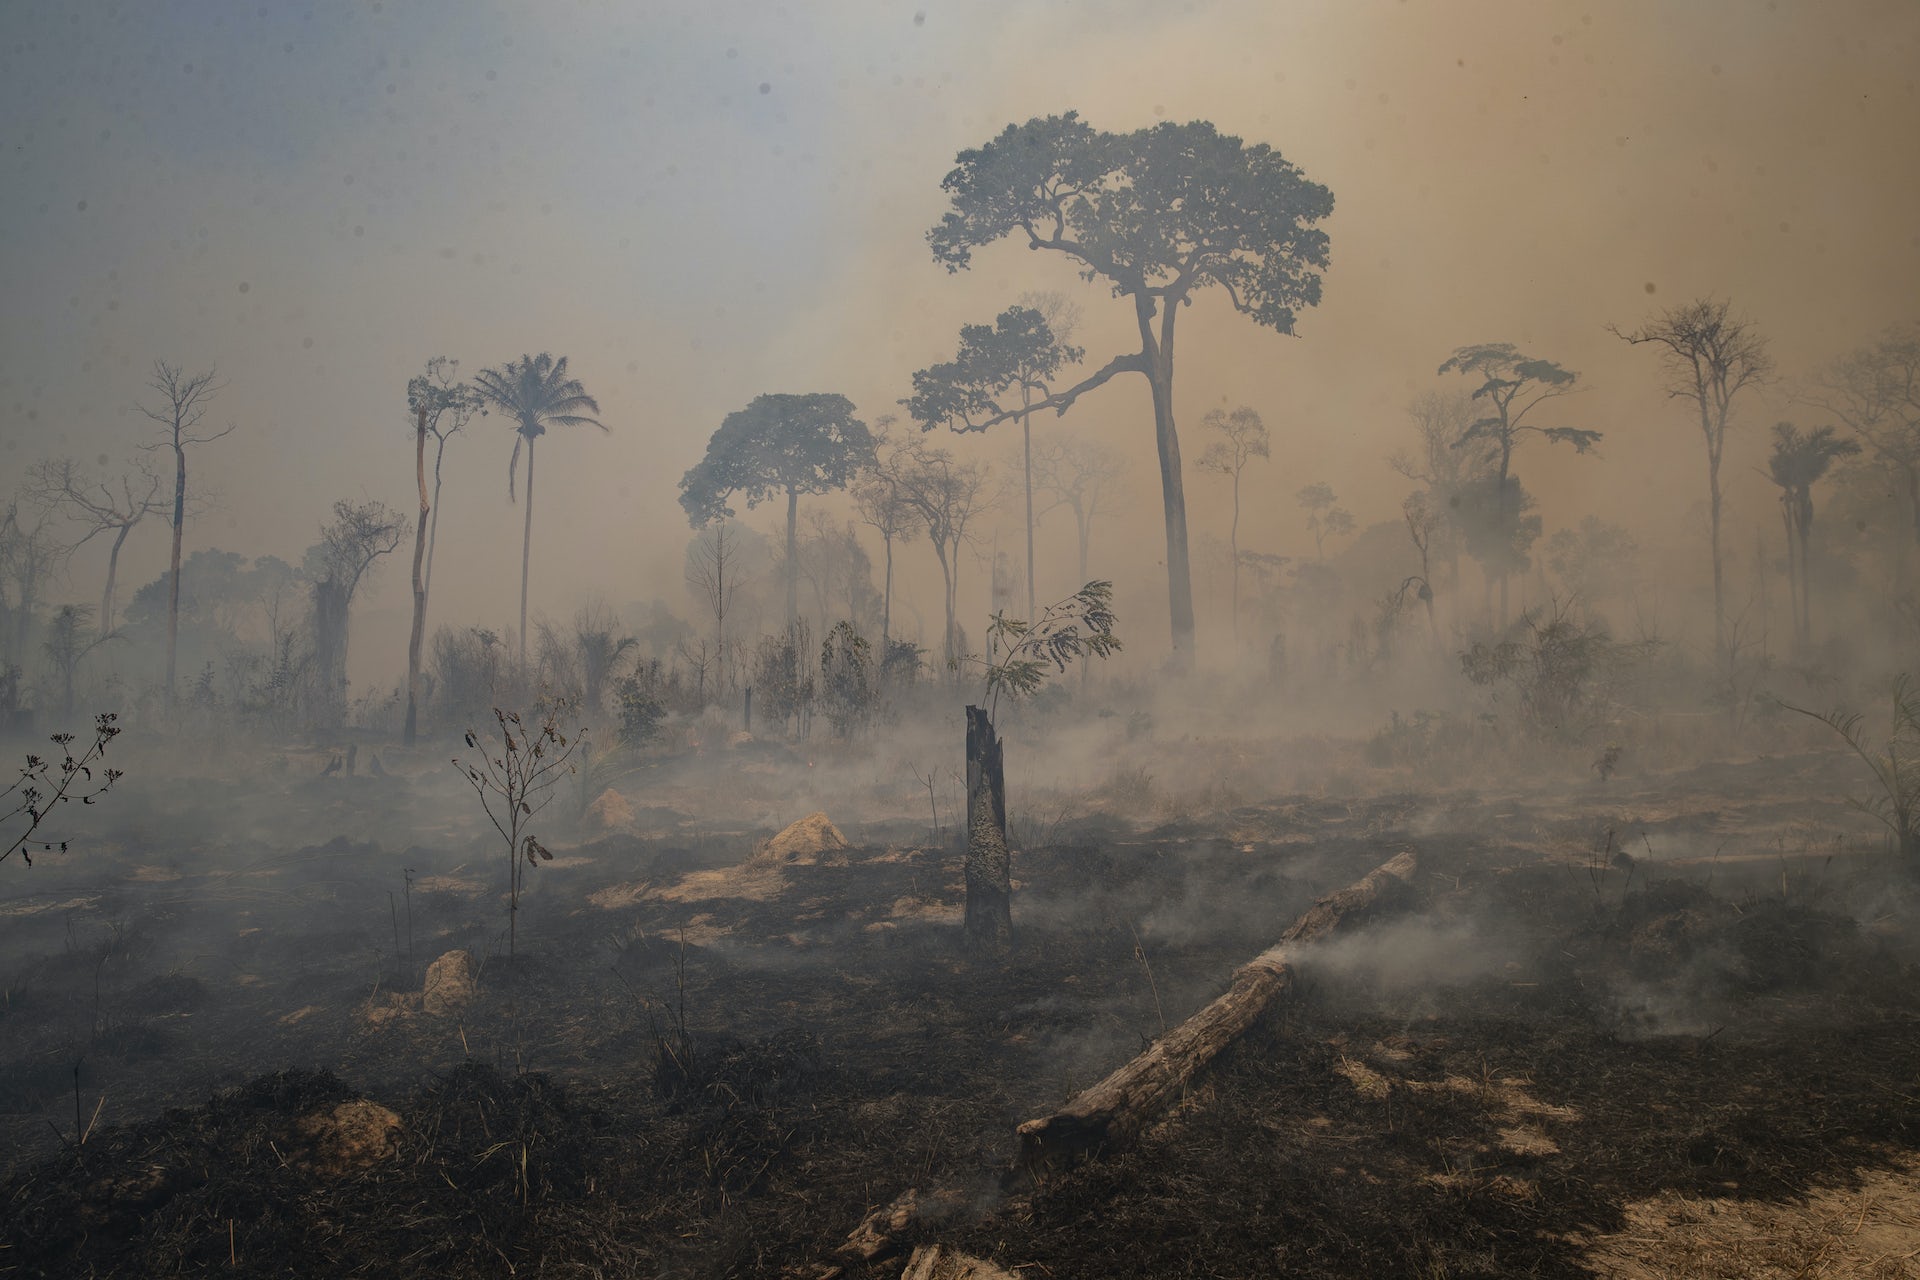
1798 462
536 393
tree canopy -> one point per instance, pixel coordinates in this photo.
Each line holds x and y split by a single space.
1018 351
777 445
1159 214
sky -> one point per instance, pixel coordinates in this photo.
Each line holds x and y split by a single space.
697 203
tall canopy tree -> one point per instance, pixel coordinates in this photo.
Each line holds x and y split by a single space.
180 409
1018 354
778 444
441 406
536 393
1710 356
1799 461
1240 438
1160 215
1511 387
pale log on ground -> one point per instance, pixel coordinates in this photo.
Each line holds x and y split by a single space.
1113 1112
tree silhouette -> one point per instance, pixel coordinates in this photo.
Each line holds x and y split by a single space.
1799 461
1243 437
946 494
778 444
1875 392
441 406
1018 353
1160 215
359 534
1083 476
182 407
536 393
1511 387
882 503
100 507
1710 357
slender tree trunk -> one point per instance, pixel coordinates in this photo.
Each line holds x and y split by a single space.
410 734
433 521
113 569
1026 436
1084 525
989 868
793 556
1159 360
947 653
526 560
1805 532
1719 588
886 600
173 572
1793 565
1715 440
1233 549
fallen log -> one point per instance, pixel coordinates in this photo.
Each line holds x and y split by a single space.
1115 1111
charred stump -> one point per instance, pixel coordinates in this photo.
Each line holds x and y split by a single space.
989 918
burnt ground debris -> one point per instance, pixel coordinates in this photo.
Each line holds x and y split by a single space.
725 1083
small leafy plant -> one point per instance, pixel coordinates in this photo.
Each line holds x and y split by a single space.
44 785
1020 654
515 781
1895 763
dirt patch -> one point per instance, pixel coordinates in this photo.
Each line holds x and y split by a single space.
1869 1230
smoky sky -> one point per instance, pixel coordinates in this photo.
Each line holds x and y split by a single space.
698 203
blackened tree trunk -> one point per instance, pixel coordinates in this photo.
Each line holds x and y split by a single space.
989 918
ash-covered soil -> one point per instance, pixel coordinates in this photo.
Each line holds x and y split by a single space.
1671 1025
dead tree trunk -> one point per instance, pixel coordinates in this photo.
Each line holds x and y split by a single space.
1115 1111
989 919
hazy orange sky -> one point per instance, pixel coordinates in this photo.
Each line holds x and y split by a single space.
698 203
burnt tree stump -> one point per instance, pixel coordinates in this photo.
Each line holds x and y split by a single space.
989 918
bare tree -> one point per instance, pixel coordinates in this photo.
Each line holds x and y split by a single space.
1875 392
1243 437
1710 357
100 507
1082 475
946 494
180 409
441 405
714 572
